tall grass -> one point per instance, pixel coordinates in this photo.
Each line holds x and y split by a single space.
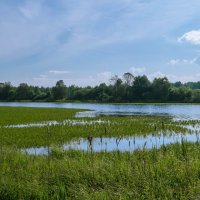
167 173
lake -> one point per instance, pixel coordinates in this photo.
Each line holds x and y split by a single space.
177 111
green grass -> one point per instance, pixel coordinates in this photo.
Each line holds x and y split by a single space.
114 127
58 134
23 115
171 172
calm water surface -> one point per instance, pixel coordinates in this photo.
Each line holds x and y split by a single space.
121 144
178 111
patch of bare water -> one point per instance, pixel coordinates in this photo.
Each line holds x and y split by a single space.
121 143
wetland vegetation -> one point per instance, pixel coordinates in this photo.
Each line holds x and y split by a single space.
165 172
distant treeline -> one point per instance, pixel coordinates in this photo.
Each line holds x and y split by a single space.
127 89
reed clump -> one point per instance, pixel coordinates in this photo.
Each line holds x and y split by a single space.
167 173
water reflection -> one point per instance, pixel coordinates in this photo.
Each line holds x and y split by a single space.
117 114
121 143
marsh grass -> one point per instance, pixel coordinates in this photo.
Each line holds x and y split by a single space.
114 127
171 172
24 115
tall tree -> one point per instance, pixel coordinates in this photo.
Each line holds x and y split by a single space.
24 92
128 78
141 87
60 90
6 91
160 88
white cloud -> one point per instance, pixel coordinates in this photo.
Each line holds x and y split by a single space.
57 72
36 33
42 76
183 61
50 78
90 24
137 70
174 62
192 37
174 77
185 78
104 76
157 74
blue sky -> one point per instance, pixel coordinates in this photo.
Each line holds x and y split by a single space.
85 42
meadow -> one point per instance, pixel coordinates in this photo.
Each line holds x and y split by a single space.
169 172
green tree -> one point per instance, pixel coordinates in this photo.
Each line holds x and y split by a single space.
141 88
118 88
128 78
177 84
60 90
6 91
160 89
24 92
196 96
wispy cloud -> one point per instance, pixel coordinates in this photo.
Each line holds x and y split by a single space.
137 70
87 24
158 74
173 77
31 9
57 72
93 34
183 61
104 76
50 79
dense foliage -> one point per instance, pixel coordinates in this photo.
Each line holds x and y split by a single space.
126 89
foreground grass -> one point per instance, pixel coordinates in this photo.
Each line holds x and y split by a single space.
169 173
